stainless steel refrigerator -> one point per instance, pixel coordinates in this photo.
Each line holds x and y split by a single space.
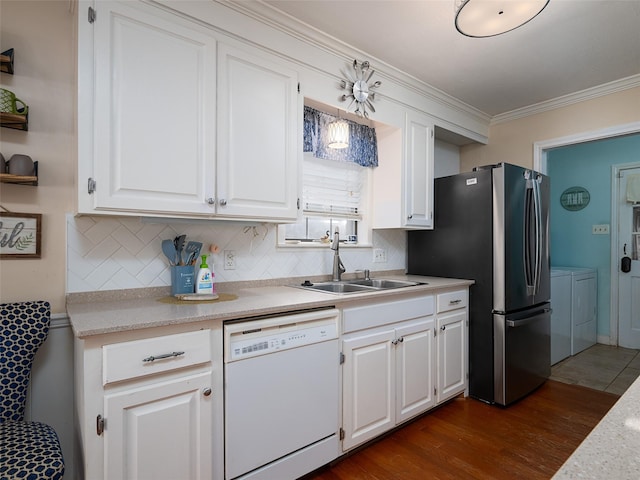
491 225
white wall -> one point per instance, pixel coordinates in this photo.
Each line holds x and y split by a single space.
446 159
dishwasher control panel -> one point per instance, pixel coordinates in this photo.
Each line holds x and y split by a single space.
261 337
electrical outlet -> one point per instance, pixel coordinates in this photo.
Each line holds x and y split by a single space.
229 259
600 229
379 255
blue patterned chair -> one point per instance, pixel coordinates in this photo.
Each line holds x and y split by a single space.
30 450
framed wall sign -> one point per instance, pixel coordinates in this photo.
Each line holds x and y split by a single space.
20 235
575 198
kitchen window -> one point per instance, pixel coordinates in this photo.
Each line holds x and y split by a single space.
335 185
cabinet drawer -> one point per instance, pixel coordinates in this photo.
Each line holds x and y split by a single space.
375 315
452 300
126 360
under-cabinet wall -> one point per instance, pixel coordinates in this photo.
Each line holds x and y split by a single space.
114 253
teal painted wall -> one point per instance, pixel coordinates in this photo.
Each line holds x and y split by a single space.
587 165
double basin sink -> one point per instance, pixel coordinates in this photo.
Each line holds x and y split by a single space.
358 286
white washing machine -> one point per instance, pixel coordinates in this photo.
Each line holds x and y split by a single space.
560 315
584 306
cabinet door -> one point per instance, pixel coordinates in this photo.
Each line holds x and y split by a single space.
154 111
259 134
368 387
160 431
415 369
452 357
418 171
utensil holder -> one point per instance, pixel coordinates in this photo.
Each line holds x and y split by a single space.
182 279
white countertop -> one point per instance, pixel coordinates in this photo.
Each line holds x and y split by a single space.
115 311
612 449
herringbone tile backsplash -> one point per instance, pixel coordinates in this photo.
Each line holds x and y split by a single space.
112 253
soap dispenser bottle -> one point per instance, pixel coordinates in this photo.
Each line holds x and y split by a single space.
204 279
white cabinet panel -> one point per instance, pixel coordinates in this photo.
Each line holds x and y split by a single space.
388 375
162 431
368 387
452 357
259 118
150 356
415 369
154 111
418 173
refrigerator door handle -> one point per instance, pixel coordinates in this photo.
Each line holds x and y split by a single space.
539 240
530 240
533 240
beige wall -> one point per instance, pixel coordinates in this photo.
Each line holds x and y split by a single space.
42 34
513 141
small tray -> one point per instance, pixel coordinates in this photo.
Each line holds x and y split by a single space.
196 296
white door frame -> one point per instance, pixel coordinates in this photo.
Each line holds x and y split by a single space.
540 150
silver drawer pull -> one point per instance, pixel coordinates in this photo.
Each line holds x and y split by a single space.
160 357
454 302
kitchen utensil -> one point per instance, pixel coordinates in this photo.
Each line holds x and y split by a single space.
192 252
169 250
179 244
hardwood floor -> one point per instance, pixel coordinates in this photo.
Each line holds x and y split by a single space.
468 439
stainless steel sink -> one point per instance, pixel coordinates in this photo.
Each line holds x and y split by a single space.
383 284
337 287
358 286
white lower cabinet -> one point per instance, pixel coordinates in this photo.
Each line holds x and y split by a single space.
150 403
388 371
401 358
452 343
151 407
160 431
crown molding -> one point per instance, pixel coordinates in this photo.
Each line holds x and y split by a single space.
570 99
285 23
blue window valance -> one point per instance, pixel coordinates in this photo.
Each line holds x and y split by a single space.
363 146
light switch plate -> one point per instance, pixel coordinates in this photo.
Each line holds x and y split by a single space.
379 255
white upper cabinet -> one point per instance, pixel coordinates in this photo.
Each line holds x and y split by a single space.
176 119
154 112
403 180
259 135
418 171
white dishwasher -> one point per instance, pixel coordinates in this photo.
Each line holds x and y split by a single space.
281 394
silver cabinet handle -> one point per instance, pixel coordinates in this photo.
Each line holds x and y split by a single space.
211 200
455 302
206 391
443 328
152 358
222 202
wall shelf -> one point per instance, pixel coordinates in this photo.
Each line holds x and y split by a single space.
21 179
6 61
14 120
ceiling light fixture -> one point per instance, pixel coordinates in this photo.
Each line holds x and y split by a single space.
338 132
486 18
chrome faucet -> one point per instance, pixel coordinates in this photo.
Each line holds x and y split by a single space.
338 267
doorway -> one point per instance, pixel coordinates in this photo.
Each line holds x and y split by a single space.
586 143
